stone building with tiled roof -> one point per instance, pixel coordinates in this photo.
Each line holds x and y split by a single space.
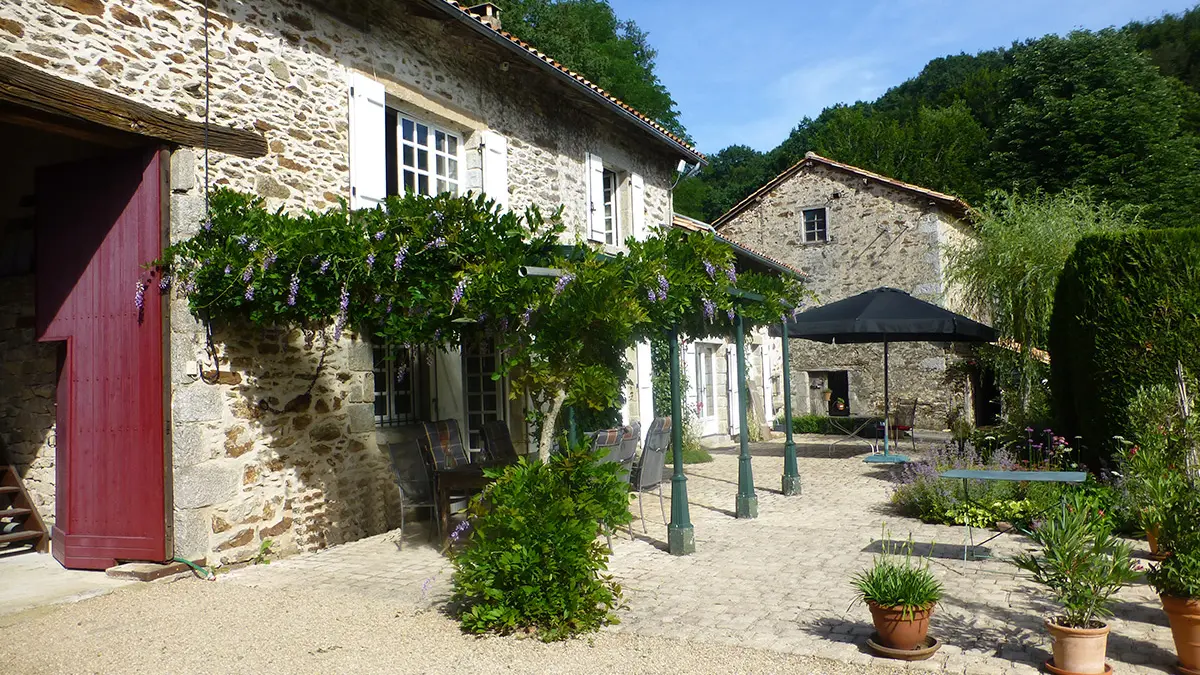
850 230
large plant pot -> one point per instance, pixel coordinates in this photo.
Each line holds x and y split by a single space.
1184 615
1080 651
899 629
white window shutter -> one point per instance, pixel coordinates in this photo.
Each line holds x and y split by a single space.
595 178
637 205
645 385
368 154
732 390
495 167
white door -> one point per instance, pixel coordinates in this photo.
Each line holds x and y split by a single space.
704 374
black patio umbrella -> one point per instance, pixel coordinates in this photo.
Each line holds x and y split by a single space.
884 315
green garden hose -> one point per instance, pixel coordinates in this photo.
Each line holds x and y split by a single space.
208 574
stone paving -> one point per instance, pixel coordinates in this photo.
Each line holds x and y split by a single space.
780 582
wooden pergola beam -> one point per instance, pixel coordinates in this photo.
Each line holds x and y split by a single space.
25 85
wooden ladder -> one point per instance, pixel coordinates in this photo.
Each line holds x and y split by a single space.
20 524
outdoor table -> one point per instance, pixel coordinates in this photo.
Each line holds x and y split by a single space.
1012 476
460 479
851 434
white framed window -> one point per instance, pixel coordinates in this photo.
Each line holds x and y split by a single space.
815 225
396 377
612 207
421 157
485 394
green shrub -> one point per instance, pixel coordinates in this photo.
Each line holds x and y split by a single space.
824 424
1179 574
532 558
1080 561
1127 307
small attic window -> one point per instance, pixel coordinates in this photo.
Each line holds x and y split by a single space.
815 226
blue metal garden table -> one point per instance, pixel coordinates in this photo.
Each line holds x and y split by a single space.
1011 476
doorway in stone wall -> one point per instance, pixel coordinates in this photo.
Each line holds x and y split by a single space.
839 400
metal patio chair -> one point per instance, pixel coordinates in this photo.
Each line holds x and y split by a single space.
453 473
498 449
409 489
649 471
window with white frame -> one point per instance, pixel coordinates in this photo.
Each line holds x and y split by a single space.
396 392
421 157
484 393
815 228
612 208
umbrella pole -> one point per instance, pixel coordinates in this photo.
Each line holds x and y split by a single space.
887 410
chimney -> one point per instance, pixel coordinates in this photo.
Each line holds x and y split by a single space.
487 13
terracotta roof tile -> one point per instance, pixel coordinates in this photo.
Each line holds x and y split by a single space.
613 100
954 204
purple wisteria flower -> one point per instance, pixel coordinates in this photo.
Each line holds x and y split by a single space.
526 316
343 308
370 261
401 371
242 240
293 289
207 224
729 313
252 246
228 270
561 284
389 307
400 257
247 274
139 295
438 242
250 292
650 294
712 271
379 235
457 296
324 266
164 283
709 308
269 260
378 298
731 273
662 287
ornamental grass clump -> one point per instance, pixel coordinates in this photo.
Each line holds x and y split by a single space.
897 582
1080 561
532 559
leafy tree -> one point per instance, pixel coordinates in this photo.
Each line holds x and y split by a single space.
587 37
1010 272
1173 44
1089 110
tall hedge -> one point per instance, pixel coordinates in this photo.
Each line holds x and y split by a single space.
1126 308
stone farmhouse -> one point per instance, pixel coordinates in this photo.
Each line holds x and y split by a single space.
850 230
140 435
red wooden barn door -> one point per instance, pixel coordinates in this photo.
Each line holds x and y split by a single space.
99 221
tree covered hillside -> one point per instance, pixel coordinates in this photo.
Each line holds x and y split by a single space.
1114 112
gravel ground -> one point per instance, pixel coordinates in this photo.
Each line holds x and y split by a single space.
191 626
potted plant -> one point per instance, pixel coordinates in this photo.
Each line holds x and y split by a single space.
901 596
840 404
827 393
1083 565
1177 579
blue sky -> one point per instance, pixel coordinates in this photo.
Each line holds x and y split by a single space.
746 72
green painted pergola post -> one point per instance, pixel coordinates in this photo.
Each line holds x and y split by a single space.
747 501
791 473
681 536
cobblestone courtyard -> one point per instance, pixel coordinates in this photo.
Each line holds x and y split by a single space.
780 582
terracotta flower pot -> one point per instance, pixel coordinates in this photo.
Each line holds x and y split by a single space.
1079 650
898 628
1152 539
1184 615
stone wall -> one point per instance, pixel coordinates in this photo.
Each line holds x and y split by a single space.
878 235
307 473
27 394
